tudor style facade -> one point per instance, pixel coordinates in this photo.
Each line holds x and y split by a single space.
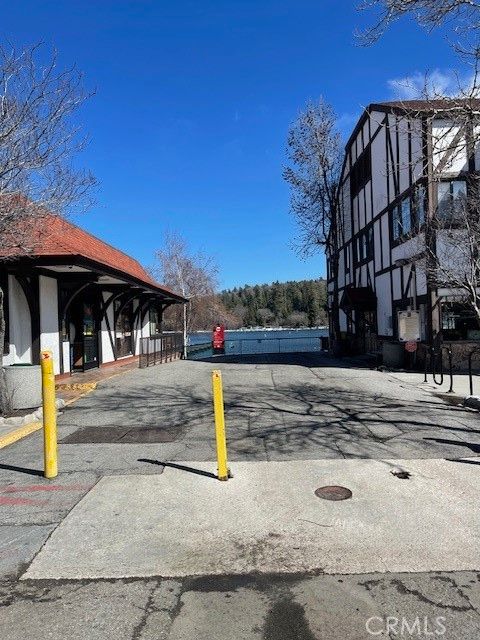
402 162
70 292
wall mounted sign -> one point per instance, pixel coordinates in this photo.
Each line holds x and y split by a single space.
409 326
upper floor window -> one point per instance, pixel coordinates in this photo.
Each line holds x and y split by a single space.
452 197
406 215
364 245
420 204
409 214
347 258
361 172
401 219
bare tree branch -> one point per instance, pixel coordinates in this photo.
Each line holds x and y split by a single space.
39 139
195 275
314 150
428 13
315 153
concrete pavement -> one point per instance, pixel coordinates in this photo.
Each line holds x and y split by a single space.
267 519
308 412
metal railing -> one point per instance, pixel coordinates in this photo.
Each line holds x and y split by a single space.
436 356
257 346
196 349
250 346
473 352
161 348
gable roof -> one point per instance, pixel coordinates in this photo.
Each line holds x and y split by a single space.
427 105
410 106
50 236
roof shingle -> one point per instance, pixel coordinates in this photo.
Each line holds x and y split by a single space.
53 236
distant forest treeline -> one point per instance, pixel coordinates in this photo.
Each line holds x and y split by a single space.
285 304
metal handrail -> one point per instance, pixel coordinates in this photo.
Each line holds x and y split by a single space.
433 360
450 366
279 340
434 354
162 347
284 344
470 375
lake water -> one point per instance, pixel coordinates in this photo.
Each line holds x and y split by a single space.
270 341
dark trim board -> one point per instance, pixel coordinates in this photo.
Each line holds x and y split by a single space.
6 310
31 290
31 264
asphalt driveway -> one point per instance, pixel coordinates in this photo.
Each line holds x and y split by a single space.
277 408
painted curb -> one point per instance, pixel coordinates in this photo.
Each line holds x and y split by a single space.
77 386
18 434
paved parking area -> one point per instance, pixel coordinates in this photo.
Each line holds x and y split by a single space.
277 408
317 419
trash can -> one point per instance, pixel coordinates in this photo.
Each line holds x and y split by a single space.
23 384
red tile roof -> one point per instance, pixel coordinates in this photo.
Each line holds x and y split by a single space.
52 236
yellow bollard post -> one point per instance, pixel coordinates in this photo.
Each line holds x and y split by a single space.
220 425
49 415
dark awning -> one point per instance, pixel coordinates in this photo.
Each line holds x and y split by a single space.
359 299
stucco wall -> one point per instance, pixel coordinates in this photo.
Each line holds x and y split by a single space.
20 325
384 305
137 329
107 351
49 334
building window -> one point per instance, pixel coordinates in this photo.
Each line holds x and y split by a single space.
123 329
406 216
347 258
361 172
452 197
349 323
359 247
364 245
403 218
155 318
397 222
420 204
459 322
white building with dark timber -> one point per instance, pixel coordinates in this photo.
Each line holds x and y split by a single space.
74 294
405 163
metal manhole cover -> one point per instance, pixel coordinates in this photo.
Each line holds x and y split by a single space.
120 435
333 493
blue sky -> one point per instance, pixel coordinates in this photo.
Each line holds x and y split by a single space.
193 103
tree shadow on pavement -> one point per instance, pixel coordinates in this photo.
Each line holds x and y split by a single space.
180 467
317 419
300 359
470 445
459 460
